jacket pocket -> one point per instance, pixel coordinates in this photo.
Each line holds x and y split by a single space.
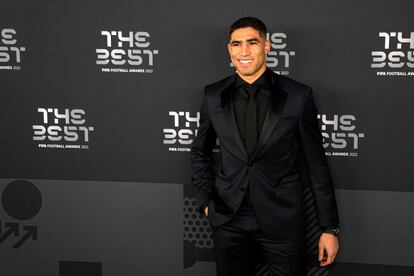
288 185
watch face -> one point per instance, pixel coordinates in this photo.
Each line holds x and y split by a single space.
333 231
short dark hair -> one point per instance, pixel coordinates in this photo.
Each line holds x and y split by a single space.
249 21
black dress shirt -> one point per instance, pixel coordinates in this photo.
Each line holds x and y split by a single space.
263 99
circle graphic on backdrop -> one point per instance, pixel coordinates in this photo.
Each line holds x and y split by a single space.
21 199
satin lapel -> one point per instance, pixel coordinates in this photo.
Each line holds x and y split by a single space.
228 108
231 119
272 116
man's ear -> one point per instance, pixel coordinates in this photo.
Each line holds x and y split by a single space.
267 46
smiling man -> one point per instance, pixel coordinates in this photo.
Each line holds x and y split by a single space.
265 124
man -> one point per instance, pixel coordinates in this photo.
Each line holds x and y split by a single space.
265 123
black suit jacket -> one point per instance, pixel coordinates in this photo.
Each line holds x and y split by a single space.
272 172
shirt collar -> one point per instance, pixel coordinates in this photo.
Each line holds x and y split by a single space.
263 81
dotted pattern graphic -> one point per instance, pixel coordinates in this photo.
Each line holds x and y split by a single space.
197 229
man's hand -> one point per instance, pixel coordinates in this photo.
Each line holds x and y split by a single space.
328 248
206 211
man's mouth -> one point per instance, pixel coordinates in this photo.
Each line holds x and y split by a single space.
245 61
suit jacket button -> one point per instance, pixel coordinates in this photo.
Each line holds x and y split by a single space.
243 189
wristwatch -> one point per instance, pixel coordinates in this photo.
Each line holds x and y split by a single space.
332 230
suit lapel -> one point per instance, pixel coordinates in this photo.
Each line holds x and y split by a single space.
228 108
231 120
273 114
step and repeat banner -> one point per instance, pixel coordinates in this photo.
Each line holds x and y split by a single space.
99 106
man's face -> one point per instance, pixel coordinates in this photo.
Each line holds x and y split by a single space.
248 51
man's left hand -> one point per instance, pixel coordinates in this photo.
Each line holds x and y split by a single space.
328 248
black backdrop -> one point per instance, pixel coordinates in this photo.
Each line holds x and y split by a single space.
99 105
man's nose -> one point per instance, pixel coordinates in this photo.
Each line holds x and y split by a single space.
245 49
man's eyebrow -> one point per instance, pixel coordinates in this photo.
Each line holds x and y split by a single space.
248 40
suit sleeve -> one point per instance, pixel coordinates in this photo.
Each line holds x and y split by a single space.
202 173
318 170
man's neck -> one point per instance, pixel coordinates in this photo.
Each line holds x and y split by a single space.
251 79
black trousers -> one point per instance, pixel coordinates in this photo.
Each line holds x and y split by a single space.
240 245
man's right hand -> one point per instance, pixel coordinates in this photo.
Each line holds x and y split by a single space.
206 211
